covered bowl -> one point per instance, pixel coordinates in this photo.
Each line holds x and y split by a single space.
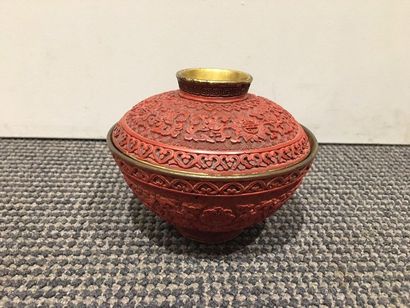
211 158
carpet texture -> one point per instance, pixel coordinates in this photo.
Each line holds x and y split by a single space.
71 234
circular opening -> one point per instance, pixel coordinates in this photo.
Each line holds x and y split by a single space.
214 75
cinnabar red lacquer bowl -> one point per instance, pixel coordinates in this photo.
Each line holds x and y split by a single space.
210 158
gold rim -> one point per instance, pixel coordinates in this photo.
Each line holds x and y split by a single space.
214 75
191 175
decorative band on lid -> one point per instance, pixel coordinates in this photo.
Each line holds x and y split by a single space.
214 82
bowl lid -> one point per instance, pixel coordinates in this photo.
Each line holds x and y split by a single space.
211 126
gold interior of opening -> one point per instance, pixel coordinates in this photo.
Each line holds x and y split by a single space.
214 75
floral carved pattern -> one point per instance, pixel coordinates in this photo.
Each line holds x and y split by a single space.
203 187
163 155
254 122
247 136
208 218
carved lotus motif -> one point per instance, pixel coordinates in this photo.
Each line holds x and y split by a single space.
217 216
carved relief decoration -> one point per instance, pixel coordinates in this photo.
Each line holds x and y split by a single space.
200 216
253 134
209 187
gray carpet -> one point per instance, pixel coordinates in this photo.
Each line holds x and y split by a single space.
71 233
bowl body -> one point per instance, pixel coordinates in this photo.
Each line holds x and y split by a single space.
211 209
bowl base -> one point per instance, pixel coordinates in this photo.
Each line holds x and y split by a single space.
208 237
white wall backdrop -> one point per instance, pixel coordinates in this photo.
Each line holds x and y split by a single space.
72 68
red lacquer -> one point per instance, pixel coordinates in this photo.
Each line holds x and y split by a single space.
210 158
